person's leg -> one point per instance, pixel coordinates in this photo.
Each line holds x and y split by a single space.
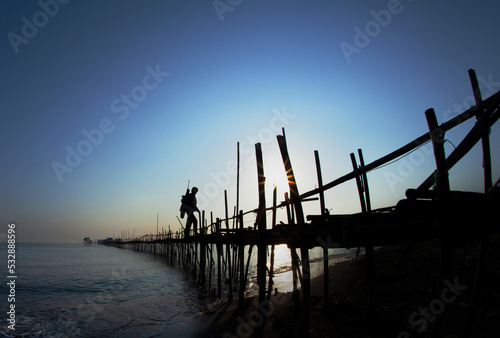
188 226
195 224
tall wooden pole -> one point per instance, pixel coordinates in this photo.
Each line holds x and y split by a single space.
241 248
294 192
228 254
369 278
365 181
219 254
359 184
326 273
261 225
488 183
202 250
484 240
304 238
238 177
443 189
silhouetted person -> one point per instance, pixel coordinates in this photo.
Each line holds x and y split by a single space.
189 207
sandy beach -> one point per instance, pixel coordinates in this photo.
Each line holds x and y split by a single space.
406 301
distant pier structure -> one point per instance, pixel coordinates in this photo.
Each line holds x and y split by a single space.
219 253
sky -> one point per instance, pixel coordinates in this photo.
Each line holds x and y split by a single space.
109 108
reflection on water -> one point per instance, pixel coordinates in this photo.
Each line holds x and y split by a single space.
283 276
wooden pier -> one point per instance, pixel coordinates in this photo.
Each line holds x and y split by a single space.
218 254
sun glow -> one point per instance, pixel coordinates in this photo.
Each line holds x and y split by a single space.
276 178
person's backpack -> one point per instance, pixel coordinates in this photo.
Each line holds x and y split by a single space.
186 198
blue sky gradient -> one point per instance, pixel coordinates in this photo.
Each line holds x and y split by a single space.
172 86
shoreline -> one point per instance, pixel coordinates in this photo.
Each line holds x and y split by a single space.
399 293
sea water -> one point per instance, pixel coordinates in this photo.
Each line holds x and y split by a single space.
72 290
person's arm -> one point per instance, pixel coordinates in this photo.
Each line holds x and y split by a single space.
195 204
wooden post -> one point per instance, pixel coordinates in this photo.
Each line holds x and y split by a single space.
219 253
275 203
210 265
437 137
304 238
240 219
241 248
369 280
235 251
228 254
320 183
365 181
295 271
488 183
202 249
195 254
261 225
212 224
326 273
359 184
211 247
294 192
288 211
295 265
271 263
238 181
443 189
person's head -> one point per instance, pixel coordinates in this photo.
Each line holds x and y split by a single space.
194 190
